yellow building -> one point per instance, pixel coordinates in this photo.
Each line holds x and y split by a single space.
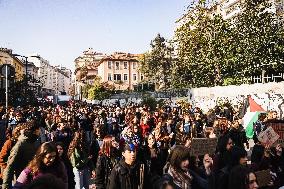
19 68
7 58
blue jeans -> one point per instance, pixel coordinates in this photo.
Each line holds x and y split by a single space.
82 178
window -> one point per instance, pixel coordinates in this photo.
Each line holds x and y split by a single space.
117 77
109 76
134 77
142 77
125 77
125 65
109 65
134 65
117 65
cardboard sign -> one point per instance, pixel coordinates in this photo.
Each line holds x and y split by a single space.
268 137
263 177
278 127
202 146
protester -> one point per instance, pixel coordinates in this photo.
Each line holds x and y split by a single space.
242 178
62 152
148 144
21 154
177 170
78 154
108 158
128 173
45 161
8 145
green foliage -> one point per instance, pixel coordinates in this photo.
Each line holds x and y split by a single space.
204 48
211 51
97 91
258 39
156 64
150 102
85 90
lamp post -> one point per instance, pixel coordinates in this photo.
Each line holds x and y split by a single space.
6 82
26 69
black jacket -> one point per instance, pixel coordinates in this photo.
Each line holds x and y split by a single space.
103 171
124 176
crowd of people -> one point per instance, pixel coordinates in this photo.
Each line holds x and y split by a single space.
86 146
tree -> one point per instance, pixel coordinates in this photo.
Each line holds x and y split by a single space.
156 64
85 90
203 45
98 91
259 38
213 51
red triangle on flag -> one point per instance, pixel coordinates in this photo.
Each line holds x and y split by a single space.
254 107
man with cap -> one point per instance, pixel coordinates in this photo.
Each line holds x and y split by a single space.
128 173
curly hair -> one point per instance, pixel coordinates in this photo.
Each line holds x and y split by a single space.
77 142
17 132
37 163
30 127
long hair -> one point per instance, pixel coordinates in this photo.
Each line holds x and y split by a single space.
17 132
106 146
37 163
177 155
239 177
77 142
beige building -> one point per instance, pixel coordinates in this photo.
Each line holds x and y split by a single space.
86 69
6 57
120 70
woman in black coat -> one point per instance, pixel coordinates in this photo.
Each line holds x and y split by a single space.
108 158
61 149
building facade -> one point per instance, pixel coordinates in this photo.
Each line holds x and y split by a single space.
86 69
54 79
6 57
45 73
121 70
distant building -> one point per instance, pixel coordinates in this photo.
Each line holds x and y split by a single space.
54 79
45 73
34 83
6 57
121 70
86 69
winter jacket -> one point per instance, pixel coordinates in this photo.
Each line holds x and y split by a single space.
124 176
21 154
80 160
5 152
103 169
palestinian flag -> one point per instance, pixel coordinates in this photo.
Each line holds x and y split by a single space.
251 111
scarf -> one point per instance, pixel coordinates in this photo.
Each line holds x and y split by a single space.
181 179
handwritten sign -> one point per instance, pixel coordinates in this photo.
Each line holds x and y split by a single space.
202 146
278 127
263 177
268 137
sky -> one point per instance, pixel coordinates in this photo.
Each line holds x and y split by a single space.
60 30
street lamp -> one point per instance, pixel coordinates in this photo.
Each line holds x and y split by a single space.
26 64
8 71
